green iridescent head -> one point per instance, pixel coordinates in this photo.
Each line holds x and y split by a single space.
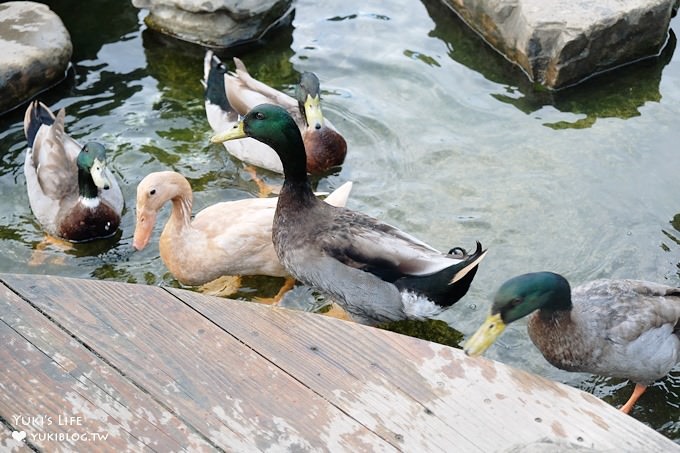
92 160
517 298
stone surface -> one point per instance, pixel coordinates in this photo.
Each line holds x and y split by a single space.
36 50
215 23
561 42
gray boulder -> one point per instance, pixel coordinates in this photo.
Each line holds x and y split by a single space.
215 23
36 51
561 42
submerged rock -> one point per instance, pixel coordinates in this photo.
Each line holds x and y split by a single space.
561 42
215 23
36 51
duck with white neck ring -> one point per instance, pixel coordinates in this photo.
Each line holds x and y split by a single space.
71 191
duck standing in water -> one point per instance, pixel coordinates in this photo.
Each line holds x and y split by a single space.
72 193
374 271
626 329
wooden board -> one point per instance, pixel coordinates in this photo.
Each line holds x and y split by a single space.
49 377
224 391
168 370
425 395
8 443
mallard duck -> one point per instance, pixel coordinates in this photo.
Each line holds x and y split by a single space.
72 193
227 238
374 271
230 95
620 328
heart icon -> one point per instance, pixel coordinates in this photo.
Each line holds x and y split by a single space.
19 435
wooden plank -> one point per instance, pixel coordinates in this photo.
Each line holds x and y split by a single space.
340 361
36 394
210 380
53 377
9 444
423 394
528 403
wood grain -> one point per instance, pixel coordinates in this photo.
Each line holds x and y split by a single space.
204 376
49 377
171 370
422 394
8 444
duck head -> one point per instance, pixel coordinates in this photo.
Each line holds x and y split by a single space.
272 125
517 298
308 95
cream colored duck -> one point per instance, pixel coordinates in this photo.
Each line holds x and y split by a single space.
627 329
72 193
227 238
230 95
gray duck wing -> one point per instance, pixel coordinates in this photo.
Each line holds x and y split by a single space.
365 243
54 166
628 309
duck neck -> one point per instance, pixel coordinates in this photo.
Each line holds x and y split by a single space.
554 316
293 156
298 193
86 185
296 185
180 217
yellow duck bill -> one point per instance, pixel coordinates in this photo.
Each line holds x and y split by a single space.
485 336
99 176
231 134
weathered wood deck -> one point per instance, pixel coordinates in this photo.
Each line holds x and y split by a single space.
100 366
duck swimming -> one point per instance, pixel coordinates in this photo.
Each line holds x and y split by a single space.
373 270
71 191
626 329
229 95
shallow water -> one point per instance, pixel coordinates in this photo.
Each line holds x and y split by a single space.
446 139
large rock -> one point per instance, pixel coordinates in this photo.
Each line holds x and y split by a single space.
36 51
561 42
215 23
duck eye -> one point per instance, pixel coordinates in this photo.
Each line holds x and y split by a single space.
152 192
259 115
514 302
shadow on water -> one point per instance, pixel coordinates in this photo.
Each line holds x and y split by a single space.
178 65
87 33
618 93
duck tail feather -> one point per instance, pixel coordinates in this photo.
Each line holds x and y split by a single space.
448 285
470 263
37 114
240 66
213 81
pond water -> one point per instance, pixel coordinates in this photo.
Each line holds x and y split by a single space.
447 140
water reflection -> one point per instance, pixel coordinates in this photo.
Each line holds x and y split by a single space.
88 33
618 93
